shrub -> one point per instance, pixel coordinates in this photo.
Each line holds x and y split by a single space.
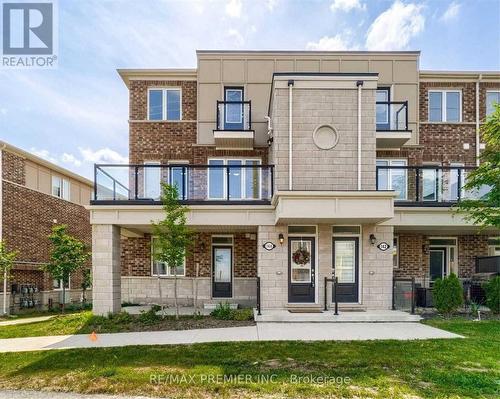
222 312
492 290
149 317
242 314
448 294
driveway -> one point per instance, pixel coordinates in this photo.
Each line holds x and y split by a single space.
260 332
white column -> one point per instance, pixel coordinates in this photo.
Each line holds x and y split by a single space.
106 275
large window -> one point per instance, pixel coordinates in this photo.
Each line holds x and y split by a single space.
445 106
164 104
60 187
383 95
393 179
152 179
237 181
161 268
492 97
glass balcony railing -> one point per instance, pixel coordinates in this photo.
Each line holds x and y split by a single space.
234 115
392 116
237 182
427 185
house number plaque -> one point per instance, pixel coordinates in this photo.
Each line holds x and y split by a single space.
269 246
383 246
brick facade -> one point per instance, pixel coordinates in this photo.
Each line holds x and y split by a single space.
27 219
136 256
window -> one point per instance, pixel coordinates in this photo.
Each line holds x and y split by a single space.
395 252
383 95
346 230
442 184
161 268
57 284
242 178
178 176
152 179
392 179
302 230
164 104
494 247
492 97
60 188
445 106
233 112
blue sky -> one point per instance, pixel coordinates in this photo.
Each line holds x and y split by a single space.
76 115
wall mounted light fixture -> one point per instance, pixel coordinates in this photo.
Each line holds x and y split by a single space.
281 238
373 239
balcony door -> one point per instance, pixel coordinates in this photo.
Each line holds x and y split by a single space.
233 108
383 114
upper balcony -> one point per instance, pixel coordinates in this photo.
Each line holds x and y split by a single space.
234 125
237 182
392 124
427 186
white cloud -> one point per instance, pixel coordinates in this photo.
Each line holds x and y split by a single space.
451 12
271 4
236 36
70 159
233 8
45 154
395 27
331 43
102 155
347 5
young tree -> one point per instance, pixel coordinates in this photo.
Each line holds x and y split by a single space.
485 211
68 255
6 263
86 283
173 238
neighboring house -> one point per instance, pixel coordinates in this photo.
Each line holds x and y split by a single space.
296 166
34 195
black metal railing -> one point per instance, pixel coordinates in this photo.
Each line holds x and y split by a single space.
392 116
334 282
245 182
234 115
488 264
403 294
427 185
258 297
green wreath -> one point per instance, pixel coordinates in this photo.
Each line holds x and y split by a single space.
301 256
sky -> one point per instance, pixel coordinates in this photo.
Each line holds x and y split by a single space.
76 114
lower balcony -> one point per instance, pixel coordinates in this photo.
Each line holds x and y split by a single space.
427 186
239 182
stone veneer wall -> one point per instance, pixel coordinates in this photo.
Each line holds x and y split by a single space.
375 267
314 168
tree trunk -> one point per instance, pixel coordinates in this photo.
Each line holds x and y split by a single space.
63 296
161 297
5 292
196 288
176 304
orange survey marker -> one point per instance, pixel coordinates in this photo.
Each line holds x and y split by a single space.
93 336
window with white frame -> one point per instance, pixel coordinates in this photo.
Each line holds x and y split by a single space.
161 268
494 246
243 182
445 106
393 178
165 104
57 284
492 98
60 187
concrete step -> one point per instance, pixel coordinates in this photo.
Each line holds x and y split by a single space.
212 306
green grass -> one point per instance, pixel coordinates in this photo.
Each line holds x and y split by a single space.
457 368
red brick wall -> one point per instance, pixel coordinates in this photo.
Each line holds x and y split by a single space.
468 248
483 87
13 167
136 256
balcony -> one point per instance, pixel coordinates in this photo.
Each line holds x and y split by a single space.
236 183
234 125
427 185
392 124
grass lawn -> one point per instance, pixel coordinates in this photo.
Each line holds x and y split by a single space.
377 369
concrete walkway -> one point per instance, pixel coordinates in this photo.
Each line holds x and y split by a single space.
260 332
25 320
10 394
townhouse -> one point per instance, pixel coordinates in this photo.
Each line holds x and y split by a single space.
296 167
34 195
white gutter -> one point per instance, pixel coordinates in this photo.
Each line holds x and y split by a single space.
290 131
359 83
478 141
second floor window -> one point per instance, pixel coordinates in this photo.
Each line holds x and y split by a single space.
234 181
445 106
492 97
60 187
391 175
164 104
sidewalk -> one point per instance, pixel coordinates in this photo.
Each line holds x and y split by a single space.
26 320
260 332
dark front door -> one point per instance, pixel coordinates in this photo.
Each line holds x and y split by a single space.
301 270
346 268
437 263
222 272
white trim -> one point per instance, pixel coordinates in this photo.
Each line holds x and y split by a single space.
447 253
60 288
360 87
486 99
290 135
62 184
167 268
226 89
164 104
444 117
212 245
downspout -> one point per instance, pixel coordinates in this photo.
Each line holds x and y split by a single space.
478 140
359 84
290 131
